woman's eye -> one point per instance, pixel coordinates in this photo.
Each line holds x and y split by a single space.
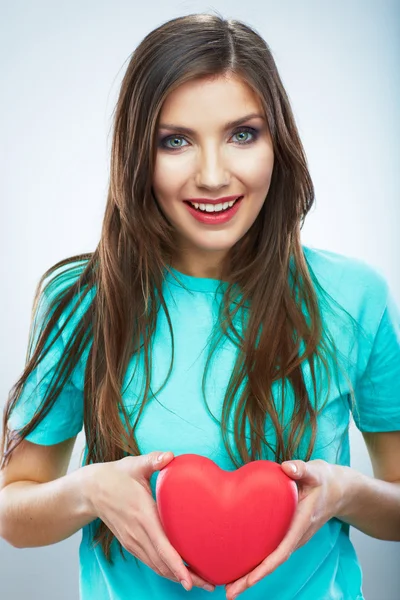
246 131
172 138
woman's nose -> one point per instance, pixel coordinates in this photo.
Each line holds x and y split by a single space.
212 171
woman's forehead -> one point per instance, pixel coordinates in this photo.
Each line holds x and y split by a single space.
222 100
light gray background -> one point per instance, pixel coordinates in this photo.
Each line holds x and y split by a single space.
61 66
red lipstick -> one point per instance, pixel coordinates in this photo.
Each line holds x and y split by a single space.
210 201
215 218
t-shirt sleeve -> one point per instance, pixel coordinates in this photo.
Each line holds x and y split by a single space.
378 388
65 418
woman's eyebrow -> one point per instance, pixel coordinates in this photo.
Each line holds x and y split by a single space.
227 126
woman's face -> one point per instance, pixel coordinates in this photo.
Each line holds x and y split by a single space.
212 161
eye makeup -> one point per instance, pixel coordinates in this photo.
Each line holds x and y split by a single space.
251 130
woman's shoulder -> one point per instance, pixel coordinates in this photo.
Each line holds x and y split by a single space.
63 274
354 284
56 282
345 276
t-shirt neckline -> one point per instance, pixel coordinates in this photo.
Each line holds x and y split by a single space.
196 284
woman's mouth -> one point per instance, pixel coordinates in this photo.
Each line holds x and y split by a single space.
206 213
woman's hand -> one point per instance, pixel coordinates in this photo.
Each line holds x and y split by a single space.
120 495
320 487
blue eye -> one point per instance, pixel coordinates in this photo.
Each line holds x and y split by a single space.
174 138
247 130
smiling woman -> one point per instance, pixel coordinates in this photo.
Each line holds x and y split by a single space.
202 325
214 161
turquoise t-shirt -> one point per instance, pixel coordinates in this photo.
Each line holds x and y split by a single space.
326 567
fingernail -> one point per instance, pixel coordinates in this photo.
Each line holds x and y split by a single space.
185 584
161 456
292 467
208 587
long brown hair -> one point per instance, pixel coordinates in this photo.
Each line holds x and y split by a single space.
120 283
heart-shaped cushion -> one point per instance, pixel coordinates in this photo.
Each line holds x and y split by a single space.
224 523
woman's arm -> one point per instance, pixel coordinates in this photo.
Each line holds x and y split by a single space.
372 504
38 504
38 514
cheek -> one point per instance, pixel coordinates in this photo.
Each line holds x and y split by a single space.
168 177
256 170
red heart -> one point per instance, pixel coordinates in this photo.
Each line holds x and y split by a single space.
224 523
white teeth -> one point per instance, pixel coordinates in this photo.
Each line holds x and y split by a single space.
213 207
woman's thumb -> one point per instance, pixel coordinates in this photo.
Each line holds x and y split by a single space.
161 457
144 465
157 460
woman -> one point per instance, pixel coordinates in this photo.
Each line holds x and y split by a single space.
200 268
